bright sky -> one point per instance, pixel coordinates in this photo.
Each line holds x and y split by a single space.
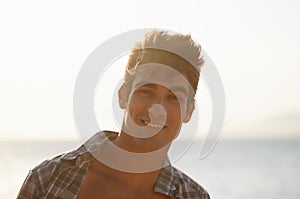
255 46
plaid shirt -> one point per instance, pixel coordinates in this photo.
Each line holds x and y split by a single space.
62 176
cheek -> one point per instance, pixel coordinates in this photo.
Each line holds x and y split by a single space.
174 112
136 105
181 109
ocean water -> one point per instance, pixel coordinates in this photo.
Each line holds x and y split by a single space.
235 169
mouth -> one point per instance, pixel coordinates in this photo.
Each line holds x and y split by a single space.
153 125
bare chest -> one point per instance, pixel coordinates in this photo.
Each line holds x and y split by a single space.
97 186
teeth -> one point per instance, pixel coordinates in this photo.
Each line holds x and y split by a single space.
154 125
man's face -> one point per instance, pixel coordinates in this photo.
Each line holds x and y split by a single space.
156 106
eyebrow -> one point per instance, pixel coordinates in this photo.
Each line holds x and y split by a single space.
154 85
179 89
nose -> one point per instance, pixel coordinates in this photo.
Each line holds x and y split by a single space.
157 113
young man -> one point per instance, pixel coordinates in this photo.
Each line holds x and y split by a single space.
157 96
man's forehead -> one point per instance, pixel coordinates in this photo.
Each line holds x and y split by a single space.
160 74
171 88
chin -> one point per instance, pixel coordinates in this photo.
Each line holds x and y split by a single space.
152 144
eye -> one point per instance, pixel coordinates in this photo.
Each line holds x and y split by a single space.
177 98
145 92
174 98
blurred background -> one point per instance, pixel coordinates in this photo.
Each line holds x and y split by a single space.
254 45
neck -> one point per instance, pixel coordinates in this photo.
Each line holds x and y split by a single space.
131 179
123 154
125 163
140 145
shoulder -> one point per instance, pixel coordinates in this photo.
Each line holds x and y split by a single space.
50 176
72 158
59 162
55 169
40 177
188 187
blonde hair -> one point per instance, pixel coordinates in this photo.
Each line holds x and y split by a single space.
178 51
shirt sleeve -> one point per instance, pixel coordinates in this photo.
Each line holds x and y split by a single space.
30 188
206 195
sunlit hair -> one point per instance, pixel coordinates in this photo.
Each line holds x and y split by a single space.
175 50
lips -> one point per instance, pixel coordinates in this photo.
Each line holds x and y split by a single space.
153 125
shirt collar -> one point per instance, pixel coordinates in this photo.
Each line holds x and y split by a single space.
165 184
94 145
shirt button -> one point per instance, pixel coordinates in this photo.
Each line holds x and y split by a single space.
173 188
78 161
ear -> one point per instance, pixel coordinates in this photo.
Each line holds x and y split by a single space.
189 111
122 97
